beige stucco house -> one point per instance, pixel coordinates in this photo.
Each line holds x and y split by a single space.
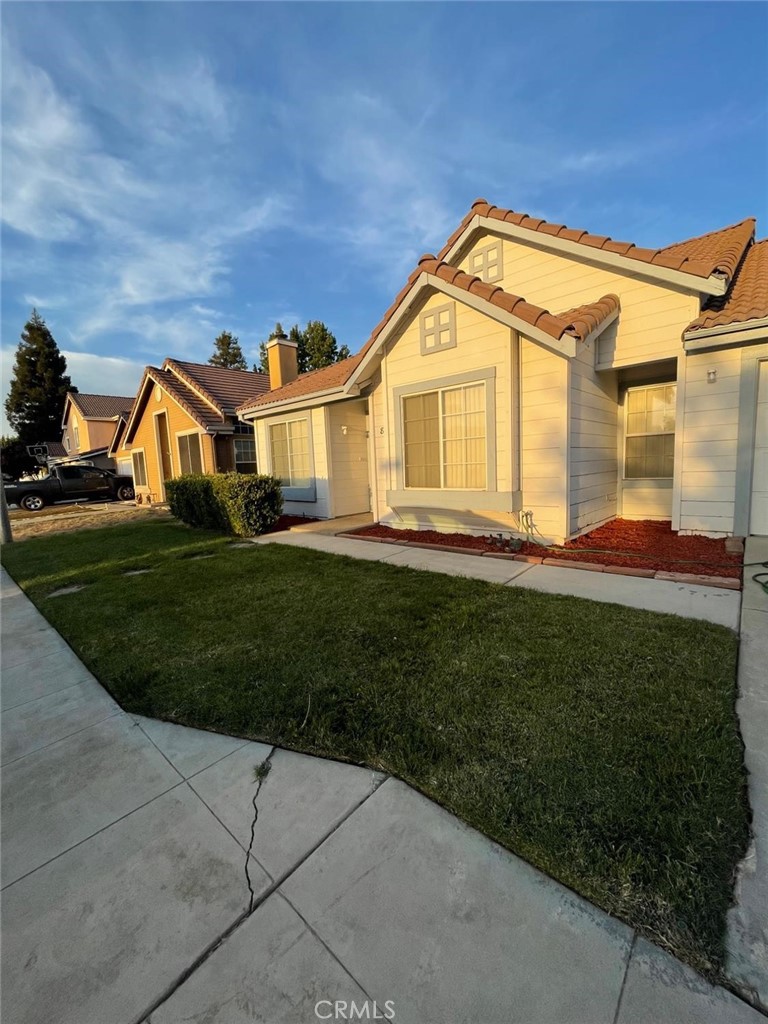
628 382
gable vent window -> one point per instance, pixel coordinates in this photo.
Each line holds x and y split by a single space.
437 329
486 263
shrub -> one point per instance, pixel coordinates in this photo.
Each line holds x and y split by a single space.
243 503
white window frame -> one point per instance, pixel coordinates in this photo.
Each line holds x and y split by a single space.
646 433
134 453
188 433
76 432
245 437
441 392
491 499
487 262
308 493
431 327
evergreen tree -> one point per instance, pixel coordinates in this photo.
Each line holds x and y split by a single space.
15 460
320 346
316 347
39 385
227 352
263 364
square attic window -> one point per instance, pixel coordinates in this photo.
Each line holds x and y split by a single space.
437 328
486 263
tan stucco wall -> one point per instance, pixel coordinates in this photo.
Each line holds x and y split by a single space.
145 438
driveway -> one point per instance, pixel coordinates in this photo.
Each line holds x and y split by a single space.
126 897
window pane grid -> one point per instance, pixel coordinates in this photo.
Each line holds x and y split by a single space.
650 434
444 439
290 453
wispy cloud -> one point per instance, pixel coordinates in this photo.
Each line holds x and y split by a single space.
140 244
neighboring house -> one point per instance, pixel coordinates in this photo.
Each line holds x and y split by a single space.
88 426
644 395
184 421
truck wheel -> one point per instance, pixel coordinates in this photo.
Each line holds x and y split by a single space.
125 492
32 503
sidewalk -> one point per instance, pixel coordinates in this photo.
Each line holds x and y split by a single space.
689 600
126 900
747 940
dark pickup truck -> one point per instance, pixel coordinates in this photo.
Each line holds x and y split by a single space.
69 483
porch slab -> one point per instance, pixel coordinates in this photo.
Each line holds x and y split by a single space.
426 912
271 969
333 526
302 800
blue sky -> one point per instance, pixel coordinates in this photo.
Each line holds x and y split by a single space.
173 170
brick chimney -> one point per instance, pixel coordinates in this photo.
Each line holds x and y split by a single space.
282 356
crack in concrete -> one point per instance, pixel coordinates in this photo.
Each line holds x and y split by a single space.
261 771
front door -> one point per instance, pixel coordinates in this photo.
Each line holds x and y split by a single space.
164 451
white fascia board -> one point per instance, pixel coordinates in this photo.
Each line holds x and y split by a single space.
565 346
599 330
742 325
712 285
304 402
734 334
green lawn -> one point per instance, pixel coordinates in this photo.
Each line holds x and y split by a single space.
598 742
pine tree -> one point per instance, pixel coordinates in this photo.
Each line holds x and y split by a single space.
263 364
39 385
316 347
227 352
320 346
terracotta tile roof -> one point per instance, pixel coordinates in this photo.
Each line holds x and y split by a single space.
326 379
718 252
227 389
197 407
746 299
575 323
56 449
100 407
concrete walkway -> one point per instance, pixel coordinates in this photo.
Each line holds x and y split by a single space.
125 895
747 940
689 600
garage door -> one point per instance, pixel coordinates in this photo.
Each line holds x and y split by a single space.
758 520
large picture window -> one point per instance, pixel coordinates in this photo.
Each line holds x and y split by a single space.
289 448
650 433
190 458
245 454
444 439
139 469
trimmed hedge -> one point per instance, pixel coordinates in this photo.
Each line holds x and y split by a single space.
246 504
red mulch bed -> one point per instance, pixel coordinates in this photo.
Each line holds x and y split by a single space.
286 522
661 548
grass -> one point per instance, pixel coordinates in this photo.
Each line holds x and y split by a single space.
598 742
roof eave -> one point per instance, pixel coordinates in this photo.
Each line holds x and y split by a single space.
300 402
726 334
565 345
716 284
